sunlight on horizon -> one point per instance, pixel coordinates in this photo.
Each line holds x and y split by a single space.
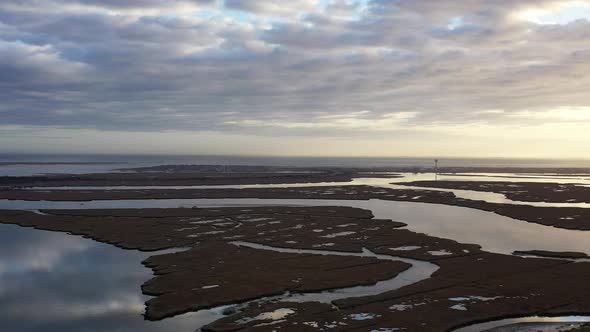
558 13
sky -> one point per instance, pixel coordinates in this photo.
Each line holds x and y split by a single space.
448 78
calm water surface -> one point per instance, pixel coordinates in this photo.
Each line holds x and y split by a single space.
54 282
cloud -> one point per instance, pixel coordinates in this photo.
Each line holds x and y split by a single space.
562 12
356 120
274 7
561 114
238 67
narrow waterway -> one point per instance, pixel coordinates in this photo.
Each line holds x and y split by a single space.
493 232
390 183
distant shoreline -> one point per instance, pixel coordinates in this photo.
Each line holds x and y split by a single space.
16 163
294 161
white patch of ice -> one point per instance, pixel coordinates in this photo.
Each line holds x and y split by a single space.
258 219
406 248
210 286
474 298
346 225
460 307
401 307
323 245
333 235
364 316
233 237
440 253
206 233
404 306
271 315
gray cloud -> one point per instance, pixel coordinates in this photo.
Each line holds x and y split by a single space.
274 7
198 66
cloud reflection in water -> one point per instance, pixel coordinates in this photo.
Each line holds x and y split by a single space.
54 282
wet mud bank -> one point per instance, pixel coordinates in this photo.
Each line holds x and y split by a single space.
172 178
562 217
552 254
517 191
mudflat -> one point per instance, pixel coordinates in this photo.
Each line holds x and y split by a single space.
314 268
212 270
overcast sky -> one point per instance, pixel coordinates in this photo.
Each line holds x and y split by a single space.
471 78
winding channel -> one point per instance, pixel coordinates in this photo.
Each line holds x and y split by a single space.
389 183
419 270
493 232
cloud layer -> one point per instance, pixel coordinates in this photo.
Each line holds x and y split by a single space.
300 68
